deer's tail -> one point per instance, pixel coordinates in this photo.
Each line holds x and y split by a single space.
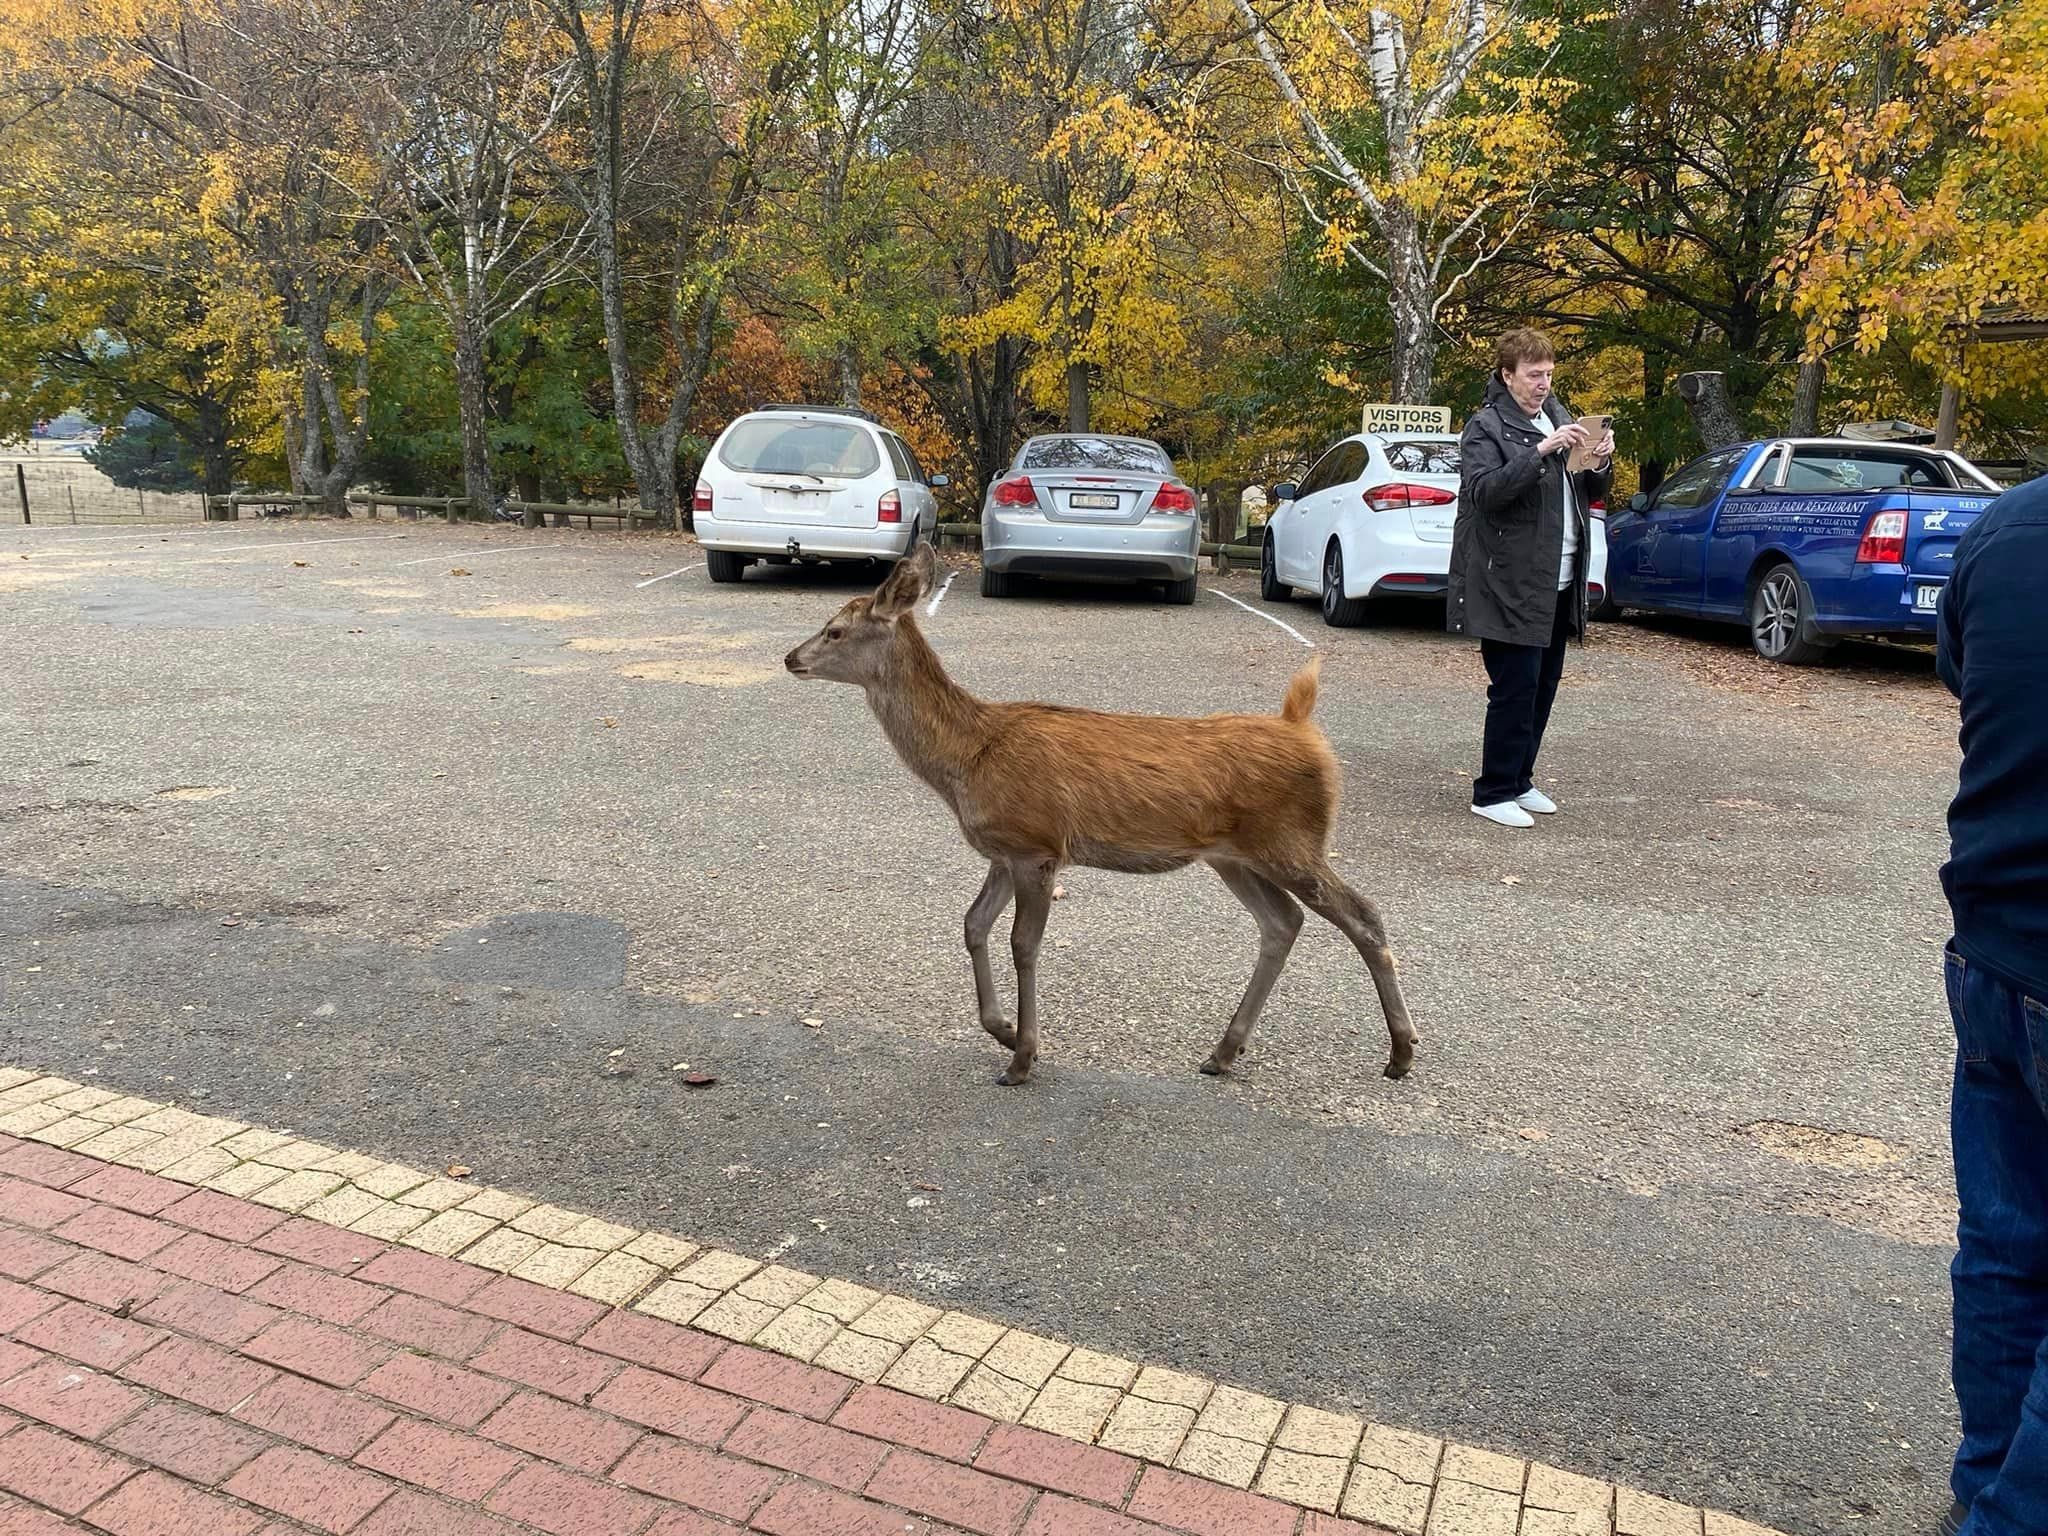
1301 693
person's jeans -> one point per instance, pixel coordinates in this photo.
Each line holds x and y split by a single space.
1522 685
1999 1122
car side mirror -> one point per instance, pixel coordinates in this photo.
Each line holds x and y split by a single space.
1639 502
1285 491
939 482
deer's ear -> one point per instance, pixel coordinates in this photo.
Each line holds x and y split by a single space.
909 580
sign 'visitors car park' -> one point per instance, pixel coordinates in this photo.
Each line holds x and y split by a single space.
1407 418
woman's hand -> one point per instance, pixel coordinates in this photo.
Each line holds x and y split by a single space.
1573 436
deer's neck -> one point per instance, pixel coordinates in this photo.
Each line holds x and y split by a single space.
937 727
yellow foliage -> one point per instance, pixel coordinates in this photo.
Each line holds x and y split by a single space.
1942 191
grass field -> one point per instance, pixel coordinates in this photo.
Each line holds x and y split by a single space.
63 489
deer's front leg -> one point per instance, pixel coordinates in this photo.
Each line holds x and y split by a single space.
995 895
1033 879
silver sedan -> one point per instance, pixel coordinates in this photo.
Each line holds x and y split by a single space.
1089 504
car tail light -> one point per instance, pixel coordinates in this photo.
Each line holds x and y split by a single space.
1016 492
891 508
701 501
1404 580
1884 541
1174 498
1400 493
1597 508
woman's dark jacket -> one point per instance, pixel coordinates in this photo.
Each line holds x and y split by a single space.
1509 537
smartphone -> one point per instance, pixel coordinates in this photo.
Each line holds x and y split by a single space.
1583 458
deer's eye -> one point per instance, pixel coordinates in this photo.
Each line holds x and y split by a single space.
835 633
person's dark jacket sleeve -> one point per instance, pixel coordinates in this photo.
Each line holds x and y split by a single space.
1494 480
1593 484
1948 635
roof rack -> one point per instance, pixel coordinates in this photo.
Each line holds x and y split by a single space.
825 410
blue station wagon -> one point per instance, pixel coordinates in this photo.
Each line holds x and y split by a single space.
1806 541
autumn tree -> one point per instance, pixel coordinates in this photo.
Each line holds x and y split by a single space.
1419 159
460 106
112 297
851 297
680 114
1939 168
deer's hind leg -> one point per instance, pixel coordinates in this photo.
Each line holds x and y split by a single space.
995 895
1322 891
1279 920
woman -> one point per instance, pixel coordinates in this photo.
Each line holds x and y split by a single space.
1519 556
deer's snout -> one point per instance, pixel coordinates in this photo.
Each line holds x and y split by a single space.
796 664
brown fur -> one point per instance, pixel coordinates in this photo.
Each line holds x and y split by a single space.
1038 786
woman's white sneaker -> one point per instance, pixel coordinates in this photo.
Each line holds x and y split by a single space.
1537 801
1506 814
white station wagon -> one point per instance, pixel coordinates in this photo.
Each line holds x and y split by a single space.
810 483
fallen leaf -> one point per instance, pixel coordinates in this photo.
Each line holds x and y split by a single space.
930 1189
302 564
1059 893
458 571
231 922
1510 879
1533 1133
459 1170
814 1023
610 724
699 1079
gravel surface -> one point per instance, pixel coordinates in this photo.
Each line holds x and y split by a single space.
1667 1197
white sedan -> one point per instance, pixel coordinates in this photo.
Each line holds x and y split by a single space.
1373 519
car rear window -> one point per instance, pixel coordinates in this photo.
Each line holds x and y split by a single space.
780 445
1857 469
1423 458
1115 454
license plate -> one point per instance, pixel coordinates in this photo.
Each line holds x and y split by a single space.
1092 502
1926 595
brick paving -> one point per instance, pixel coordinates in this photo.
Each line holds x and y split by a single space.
392 1317
181 1364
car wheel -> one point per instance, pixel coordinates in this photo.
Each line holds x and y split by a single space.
1338 610
1781 619
997 583
1182 592
1271 587
724 565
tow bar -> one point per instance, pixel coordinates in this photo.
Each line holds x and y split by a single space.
796 550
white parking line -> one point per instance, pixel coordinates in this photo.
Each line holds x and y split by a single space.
650 581
932 607
1257 613
471 554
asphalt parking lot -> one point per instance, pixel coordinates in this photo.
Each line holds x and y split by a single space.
457 843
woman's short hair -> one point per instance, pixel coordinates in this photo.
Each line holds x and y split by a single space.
1520 346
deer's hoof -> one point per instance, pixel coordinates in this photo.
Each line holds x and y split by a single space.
1398 1067
1213 1068
1009 1079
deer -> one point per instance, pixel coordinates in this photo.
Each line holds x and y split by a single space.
1038 787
